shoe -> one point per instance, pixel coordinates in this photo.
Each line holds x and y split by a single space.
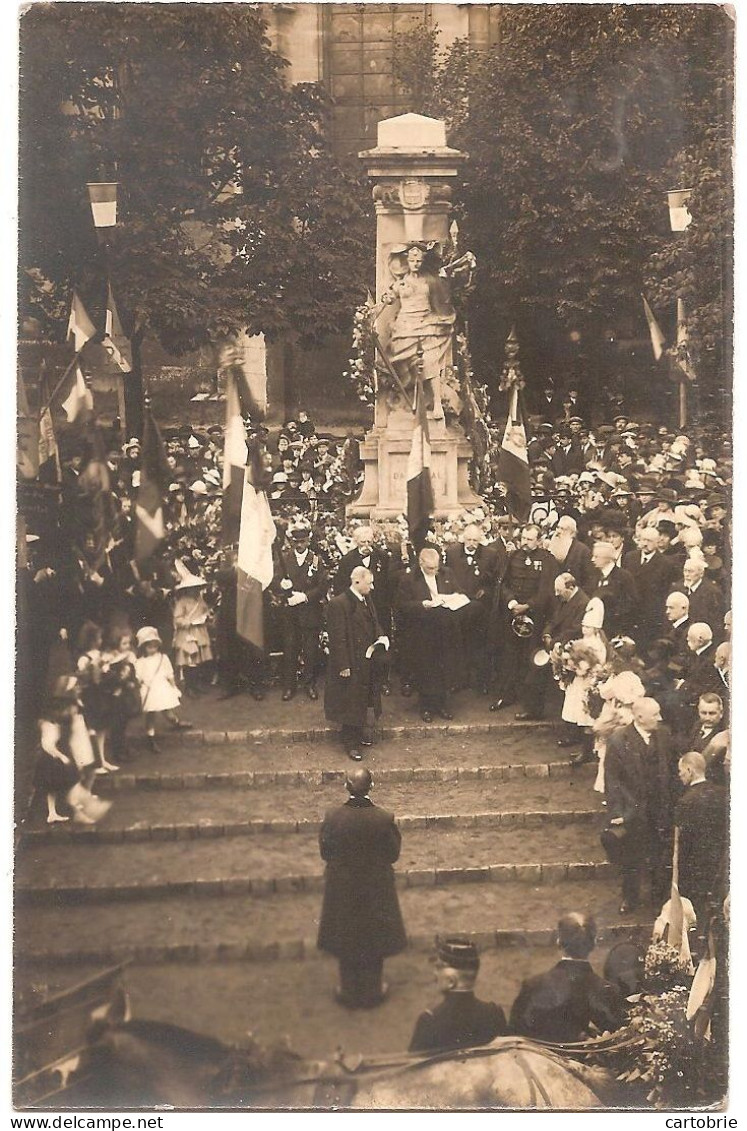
110 767
444 714
257 694
53 818
287 695
406 690
179 724
525 716
627 906
355 755
153 745
426 716
582 758
367 740
498 705
312 692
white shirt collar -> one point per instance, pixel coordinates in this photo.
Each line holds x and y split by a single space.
607 570
682 620
646 737
430 581
695 586
301 558
699 651
360 596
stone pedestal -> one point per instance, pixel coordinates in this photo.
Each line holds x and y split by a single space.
411 167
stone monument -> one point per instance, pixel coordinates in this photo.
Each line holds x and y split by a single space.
411 167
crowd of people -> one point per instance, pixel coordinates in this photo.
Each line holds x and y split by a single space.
606 611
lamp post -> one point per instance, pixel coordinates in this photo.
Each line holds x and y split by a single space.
680 219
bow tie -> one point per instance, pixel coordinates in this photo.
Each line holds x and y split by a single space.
646 558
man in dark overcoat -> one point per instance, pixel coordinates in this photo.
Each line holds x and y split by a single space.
616 590
379 561
473 569
652 574
433 633
701 815
563 1003
361 923
563 625
638 787
461 1020
353 685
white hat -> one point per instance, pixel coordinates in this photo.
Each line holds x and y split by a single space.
213 477
198 488
187 580
193 442
593 614
147 635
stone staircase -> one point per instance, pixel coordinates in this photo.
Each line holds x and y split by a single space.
207 872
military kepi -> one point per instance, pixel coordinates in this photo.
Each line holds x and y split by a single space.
457 952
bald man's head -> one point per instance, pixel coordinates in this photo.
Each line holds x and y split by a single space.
646 714
699 635
358 782
691 767
677 607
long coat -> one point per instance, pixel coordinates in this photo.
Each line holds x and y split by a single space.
360 910
352 626
562 1003
380 565
433 637
638 787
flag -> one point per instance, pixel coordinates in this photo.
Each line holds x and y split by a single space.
654 329
684 361
49 455
79 401
79 327
114 342
154 478
234 461
419 485
254 568
513 461
27 436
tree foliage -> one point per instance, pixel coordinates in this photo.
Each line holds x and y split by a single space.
576 125
232 212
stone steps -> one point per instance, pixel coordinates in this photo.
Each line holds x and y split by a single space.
250 927
273 863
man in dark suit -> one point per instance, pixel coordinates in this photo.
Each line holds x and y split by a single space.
652 574
472 567
563 624
352 687
433 633
705 597
571 555
616 590
526 591
379 562
299 588
361 923
699 674
677 615
461 1020
639 799
710 722
565 1002
569 456
702 819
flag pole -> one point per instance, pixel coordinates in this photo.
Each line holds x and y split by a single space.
62 380
683 404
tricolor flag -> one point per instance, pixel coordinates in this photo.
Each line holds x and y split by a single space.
684 360
154 477
254 568
513 461
657 338
79 327
235 457
49 455
79 401
419 485
114 342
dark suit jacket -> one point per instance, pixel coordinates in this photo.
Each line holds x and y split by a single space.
310 578
700 676
460 1021
564 622
697 740
360 910
619 597
432 637
702 818
578 562
380 565
352 626
707 605
637 780
476 580
562 1004
652 581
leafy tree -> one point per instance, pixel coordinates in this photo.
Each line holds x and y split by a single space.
576 125
232 212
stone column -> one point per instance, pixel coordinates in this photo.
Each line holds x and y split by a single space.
411 167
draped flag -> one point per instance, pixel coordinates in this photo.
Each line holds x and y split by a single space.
154 477
684 360
254 567
235 457
79 327
114 341
419 485
78 404
513 461
657 338
49 454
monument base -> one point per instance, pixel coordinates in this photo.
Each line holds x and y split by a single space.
385 453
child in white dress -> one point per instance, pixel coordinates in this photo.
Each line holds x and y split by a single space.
158 690
192 648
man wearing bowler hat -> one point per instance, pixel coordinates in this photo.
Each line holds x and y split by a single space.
361 923
461 1020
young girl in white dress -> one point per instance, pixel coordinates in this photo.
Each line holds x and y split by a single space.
158 690
192 649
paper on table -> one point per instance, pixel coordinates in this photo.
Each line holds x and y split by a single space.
454 601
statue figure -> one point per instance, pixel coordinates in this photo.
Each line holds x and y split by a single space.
419 342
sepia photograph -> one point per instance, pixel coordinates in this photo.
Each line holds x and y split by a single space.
373 558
